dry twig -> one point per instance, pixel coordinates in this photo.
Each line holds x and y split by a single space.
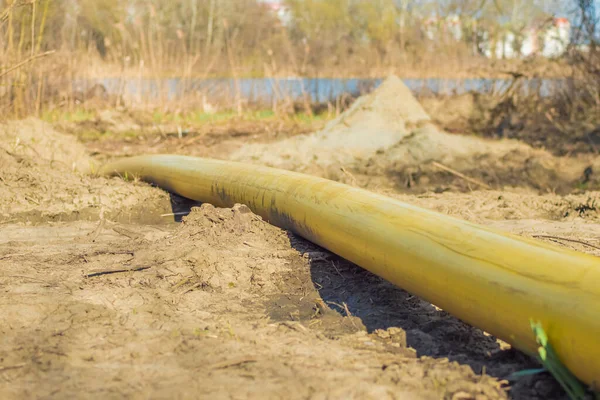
26 61
566 240
8 367
115 271
233 362
460 175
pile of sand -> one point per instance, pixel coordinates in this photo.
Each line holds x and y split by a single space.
373 123
387 133
44 175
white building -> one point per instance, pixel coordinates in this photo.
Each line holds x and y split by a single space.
453 25
503 48
448 27
550 42
530 45
557 38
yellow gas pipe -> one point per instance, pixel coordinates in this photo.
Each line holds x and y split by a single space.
492 280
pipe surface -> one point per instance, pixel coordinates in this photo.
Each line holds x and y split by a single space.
492 280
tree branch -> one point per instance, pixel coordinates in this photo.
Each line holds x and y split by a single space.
26 61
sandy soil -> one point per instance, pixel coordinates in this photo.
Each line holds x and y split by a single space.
106 296
44 175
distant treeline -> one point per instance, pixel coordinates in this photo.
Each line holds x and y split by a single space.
262 38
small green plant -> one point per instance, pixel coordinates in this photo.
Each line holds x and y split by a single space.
552 364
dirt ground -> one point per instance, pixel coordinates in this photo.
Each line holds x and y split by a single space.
115 289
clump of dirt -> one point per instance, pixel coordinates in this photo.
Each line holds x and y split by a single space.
373 122
44 175
236 234
413 163
464 113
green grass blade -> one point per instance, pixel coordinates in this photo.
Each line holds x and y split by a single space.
552 363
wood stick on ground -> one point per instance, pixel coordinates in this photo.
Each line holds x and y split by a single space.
353 181
115 271
181 283
566 240
196 285
175 214
126 232
233 362
466 178
337 270
96 232
7 367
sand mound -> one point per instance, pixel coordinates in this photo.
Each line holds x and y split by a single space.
388 134
43 176
231 253
374 122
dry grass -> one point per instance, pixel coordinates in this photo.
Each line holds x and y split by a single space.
42 72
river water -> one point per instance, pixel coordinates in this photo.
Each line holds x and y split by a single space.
318 90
